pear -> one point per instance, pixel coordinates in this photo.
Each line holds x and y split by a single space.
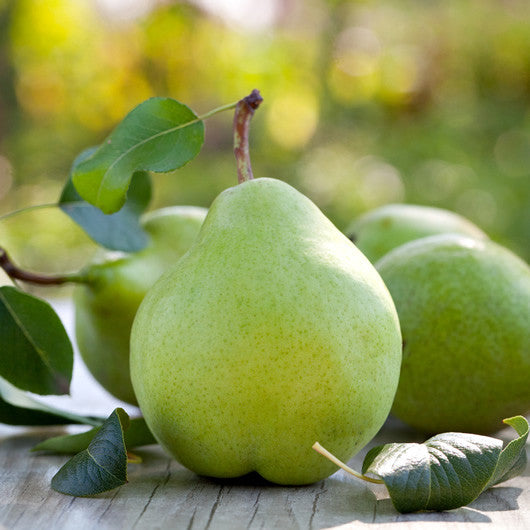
377 232
115 284
272 332
464 307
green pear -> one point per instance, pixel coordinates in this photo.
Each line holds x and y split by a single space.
116 283
271 333
464 308
378 231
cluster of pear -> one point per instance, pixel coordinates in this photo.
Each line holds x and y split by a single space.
268 329
464 306
274 330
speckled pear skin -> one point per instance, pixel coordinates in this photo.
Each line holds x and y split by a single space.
271 333
378 231
464 307
106 306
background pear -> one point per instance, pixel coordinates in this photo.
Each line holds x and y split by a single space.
464 308
116 283
271 333
378 231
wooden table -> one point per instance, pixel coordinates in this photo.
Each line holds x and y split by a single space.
162 494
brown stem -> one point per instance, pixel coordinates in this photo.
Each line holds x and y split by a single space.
243 114
16 273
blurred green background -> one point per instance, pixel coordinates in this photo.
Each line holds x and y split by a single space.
366 103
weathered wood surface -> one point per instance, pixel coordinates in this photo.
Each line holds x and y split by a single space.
162 494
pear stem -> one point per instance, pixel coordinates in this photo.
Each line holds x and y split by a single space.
324 452
16 273
243 114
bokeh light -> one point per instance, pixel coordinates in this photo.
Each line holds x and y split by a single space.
365 103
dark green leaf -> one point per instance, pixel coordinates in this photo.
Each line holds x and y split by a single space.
19 408
136 435
158 135
512 459
102 466
35 352
119 231
12 415
447 471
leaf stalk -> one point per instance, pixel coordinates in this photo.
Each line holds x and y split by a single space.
16 273
324 452
28 209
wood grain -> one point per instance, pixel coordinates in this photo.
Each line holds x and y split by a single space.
162 494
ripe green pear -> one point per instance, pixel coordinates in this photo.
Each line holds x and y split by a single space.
377 232
464 308
271 333
116 283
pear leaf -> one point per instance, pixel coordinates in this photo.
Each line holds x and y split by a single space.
12 415
19 408
447 471
136 435
36 353
102 466
158 135
512 460
118 231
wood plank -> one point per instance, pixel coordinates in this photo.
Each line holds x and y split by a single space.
162 494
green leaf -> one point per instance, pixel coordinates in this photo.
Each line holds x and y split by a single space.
35 352
448 470
19 408
159 135
12 415
118 231
136 435
512 460
102 466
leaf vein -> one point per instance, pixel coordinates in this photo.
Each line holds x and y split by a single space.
136 146
101 465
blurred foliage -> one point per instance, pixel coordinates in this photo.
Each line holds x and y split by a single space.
366 102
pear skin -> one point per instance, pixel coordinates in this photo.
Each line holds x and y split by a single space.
464 307
271 333
378 231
